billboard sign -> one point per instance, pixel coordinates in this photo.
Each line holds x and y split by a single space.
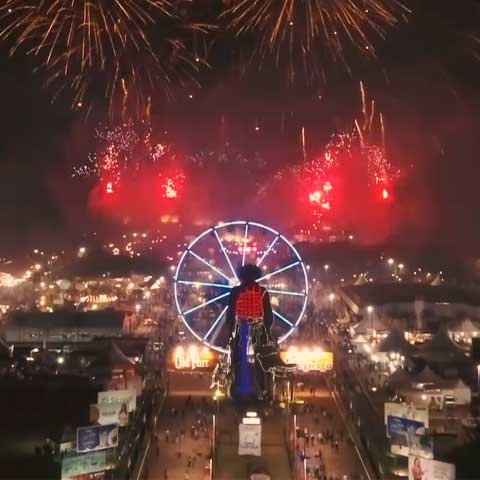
250 440
129 397
406 410
308 359
74 465
193 357
407 437
97 437
106 413
428 469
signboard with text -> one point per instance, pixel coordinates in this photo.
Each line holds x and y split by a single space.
250 440
428 469
106 413
74 465
97 437
129 397
193 358
308 359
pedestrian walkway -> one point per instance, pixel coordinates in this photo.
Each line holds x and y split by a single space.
324 440
181 450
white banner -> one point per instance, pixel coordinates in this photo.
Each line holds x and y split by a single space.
129 397
250 440
426 469
105 413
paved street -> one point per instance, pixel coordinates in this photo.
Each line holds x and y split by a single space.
181 450
329 449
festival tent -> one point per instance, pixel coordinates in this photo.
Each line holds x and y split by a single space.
395 342
368 323
361 280
427 377
114 370
462 393
426 385
359 339
400 378
466 326
404 379
441 349
436 281
112 358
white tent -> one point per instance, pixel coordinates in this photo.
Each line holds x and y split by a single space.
358 339
361 280
394 342
441 349
369 322
466 326
436 281
462 393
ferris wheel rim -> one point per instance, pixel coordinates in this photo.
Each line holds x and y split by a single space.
292 325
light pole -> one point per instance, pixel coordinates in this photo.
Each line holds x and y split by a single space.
331 297
370 310
478 380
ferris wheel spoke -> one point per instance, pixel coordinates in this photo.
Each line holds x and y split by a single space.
267 251
204 304
208 264
215 323
204 284
245 239
275 272
222 248
287 292
283 319
217 331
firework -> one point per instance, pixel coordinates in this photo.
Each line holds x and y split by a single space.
124 149
306 33
89 45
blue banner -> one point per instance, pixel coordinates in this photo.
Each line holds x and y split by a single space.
97 437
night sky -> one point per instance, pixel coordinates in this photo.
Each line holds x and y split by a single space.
425 80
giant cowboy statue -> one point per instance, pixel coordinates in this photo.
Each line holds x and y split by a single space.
254 354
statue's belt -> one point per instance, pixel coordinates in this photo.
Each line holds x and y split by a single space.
250 320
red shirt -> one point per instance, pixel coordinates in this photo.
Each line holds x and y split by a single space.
249 303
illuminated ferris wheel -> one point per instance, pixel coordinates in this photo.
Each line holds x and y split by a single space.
207 271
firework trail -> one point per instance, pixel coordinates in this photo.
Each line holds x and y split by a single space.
305 34
89 46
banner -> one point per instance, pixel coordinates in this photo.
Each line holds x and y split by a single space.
427 469
119 396
106 413
97 437
407 437
406 410
193 357
250 440
308 359
82 464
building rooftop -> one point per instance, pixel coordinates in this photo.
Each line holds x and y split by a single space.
108 318
381 294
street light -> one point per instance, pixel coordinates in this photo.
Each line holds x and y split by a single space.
331 297
390 261
478 379
370 310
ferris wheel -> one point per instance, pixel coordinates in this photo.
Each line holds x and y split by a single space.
207 271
